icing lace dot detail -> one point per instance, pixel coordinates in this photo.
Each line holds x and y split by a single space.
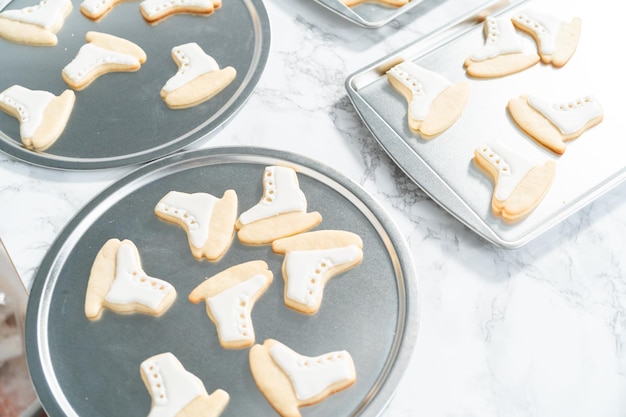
572 104
495 160
21 110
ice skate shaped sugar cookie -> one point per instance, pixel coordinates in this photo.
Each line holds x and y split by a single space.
42 115
553 124
96 9
502 54
281 212
176 392
154 11
103 53
519 183
35 25
209 221
198 78
311 260
289 380
118 282
434 103
230 296
387 3
556 39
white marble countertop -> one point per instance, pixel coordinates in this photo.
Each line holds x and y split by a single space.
537 331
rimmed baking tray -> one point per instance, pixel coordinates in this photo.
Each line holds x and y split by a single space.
120 119
374 15
443 167
82 368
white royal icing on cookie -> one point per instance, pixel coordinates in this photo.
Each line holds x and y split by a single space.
171 386
193 63
47 14
545 27
132 285
508 177
310 376
91 56
194 209
500 39
305 269
568 117
94 7
154 8
29 104
231 309
425 86
281 195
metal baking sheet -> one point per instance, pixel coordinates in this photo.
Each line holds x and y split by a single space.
83 368
374 15
120 119
443 167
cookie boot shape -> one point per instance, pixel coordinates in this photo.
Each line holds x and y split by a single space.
118 282
230 297
388 3
153 11
434 103
96 9
176 392
553 124
208 221
519 184
290 381
35 25
311 260
556 40
42 115
103 53
281 212
502 54
198 79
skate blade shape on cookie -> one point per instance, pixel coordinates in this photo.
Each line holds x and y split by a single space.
42 115
386 3
502 54
556 39
519 183
35 25
198 79
97 9
208 221
281 212
118 282
311 260
154 11
176 392
289 380
553 124
434 103
102 54
230 296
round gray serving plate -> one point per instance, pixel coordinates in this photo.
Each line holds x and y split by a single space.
84 368
120 119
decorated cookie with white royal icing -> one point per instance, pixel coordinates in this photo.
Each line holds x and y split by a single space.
102 54
208 221
230 296
520 183
556 39
96 9
155 11
176 392
290 380
198 79
42 115
502 53
552 124
386 3
434 103
281 211
35 25
311 260
118 282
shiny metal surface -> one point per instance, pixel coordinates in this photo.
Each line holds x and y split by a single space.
120 119
92 368
443 166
